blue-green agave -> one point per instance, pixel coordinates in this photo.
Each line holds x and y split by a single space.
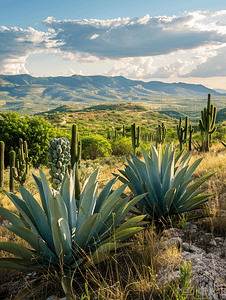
64 231
169 192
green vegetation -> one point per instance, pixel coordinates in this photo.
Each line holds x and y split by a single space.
37 132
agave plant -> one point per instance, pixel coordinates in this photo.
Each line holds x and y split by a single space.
169 192
65 231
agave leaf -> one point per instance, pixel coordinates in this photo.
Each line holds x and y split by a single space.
133 168
68 195
165 161
134 181
121 235
41 223
62 208
178 156
89 183
179 178
18 264
23 209
102 253
155 157
169 197
87 230
104 194
122 179
11 217
192 168
86 205
132 222
61 237
141 169
180 192
18 250
193 188
34 240
192 203
168 177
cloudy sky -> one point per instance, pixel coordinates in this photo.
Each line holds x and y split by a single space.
170 41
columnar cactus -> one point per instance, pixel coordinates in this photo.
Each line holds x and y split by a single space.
123 130
182 131
160 134
76 152
2 151
59 157
12 157
190 130
207 122
22 164
135 134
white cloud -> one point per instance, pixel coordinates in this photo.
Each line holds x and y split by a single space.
138 48
146 36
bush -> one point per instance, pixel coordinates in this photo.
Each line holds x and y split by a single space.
36 131
121 146
94 146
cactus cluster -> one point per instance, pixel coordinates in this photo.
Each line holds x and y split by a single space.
207 122
59 158
160 134
22 163
182 131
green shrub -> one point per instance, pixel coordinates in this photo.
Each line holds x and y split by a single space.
36 131
121 146
94 146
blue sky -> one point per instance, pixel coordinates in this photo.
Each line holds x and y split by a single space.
162 40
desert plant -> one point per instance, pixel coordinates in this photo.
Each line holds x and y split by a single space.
135 135
182 131
207 122
94 146
190 130
22 163
65 232
59 157
2 151
160 134
12 157
121 146
76 154
166 184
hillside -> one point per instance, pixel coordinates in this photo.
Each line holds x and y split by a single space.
27 94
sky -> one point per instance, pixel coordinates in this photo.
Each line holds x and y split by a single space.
169 41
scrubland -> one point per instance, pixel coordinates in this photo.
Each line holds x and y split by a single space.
131 272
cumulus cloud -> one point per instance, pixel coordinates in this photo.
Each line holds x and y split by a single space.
16 44
132 46
212 66
146 36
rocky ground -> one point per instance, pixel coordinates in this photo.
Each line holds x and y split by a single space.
206 252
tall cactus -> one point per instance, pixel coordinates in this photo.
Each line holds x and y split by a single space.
190 130
59 157
12 157
160 134
207 122
135 134
123 130
76 152
182 131
2 151
22 163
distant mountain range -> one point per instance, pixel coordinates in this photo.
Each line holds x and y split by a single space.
102 83
26 93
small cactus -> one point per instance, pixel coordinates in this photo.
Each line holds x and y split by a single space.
135 134
207 123
59 158
22 163
12 157
190 130
2 151
182 131
160 134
